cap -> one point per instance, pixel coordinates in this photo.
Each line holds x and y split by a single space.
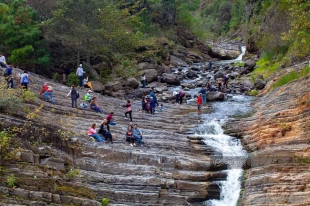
89 91
80 65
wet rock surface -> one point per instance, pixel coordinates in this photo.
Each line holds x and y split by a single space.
277 137
169 170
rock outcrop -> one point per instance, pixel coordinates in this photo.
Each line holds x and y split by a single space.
277 137
171 168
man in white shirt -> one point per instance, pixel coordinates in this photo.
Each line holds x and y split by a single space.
2 61
80 72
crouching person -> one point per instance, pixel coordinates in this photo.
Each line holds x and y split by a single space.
129 136
107 135
92 133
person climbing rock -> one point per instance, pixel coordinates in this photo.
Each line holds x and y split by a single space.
47 92
110 120
94 105
92 133
129 136
8 74
199 103
24 80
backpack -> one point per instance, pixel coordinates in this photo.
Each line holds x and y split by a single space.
50 88
25 80
77 94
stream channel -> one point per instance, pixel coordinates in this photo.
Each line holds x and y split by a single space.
228 150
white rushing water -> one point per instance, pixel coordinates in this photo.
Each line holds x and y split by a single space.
230 150
239 58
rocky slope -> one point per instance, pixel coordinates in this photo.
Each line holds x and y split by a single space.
277 137
170 170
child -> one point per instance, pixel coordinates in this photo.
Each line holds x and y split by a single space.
162 108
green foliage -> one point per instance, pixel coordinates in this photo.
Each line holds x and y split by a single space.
105 201
73 173
21 34
290 77
72 79
10 181
10 99
28 96
252 93
126 69
239 64
266 66
55 76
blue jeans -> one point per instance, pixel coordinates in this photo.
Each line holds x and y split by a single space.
74 102
97 137
204 98
138 138
81 80
143 83
49 94
98 110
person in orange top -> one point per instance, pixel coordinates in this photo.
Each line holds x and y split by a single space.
199 103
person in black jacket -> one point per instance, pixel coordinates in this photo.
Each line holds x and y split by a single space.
104 132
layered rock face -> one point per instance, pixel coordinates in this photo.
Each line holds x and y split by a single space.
277 137
170 169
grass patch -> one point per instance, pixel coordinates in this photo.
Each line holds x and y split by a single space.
290 77
252 93
239 64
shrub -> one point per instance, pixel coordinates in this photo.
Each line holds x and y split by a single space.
73 173
7 151
55 76
252 93
72 79
10 181
239 64
105 201
28 96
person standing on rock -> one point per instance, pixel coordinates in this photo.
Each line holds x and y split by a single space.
128 110
219 81
152 94
203 92
177 96
92 133
225 80
74 96
24 80
80 73
199 103
8 74
143 103
210 65
152 105
143 80
2 61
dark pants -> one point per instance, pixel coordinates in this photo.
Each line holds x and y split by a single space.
152 110
3 64
143 83
129 112
24 86
130 139
81 80
97 109
177 98
107 135
181 99
73 102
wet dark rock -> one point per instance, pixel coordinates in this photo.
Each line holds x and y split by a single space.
215 96
97 86
191 74
248 67
259 83
171 79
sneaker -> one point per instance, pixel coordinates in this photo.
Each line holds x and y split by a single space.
125 117
131 144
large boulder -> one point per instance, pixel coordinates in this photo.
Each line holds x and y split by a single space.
150 74
171 79
215 96
259 83
219 74
97 86
139 93
191 74
159 68
249 66
113 86
226 52
132 83
176 61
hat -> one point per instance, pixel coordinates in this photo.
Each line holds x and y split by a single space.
89 91
80 65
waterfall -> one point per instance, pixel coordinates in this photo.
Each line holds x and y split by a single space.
243 49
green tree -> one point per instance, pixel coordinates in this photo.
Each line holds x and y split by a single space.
21 36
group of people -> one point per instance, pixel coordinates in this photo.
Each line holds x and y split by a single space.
150 102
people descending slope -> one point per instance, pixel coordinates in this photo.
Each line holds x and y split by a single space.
74 96
47 92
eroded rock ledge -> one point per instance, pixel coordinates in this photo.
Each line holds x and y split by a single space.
277 137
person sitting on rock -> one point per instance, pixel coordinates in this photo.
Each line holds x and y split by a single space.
106 134
94 105
210 87
92 133
129 136
47 92
86 83
88 96
137 134
110 120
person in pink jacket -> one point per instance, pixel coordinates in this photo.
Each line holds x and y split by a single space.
93 133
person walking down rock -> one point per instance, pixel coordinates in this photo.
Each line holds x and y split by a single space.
199 103
94 105
74 96
106 134
47 92
93 133
80 73
110 120
128 110
24 80
203 92
8 74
